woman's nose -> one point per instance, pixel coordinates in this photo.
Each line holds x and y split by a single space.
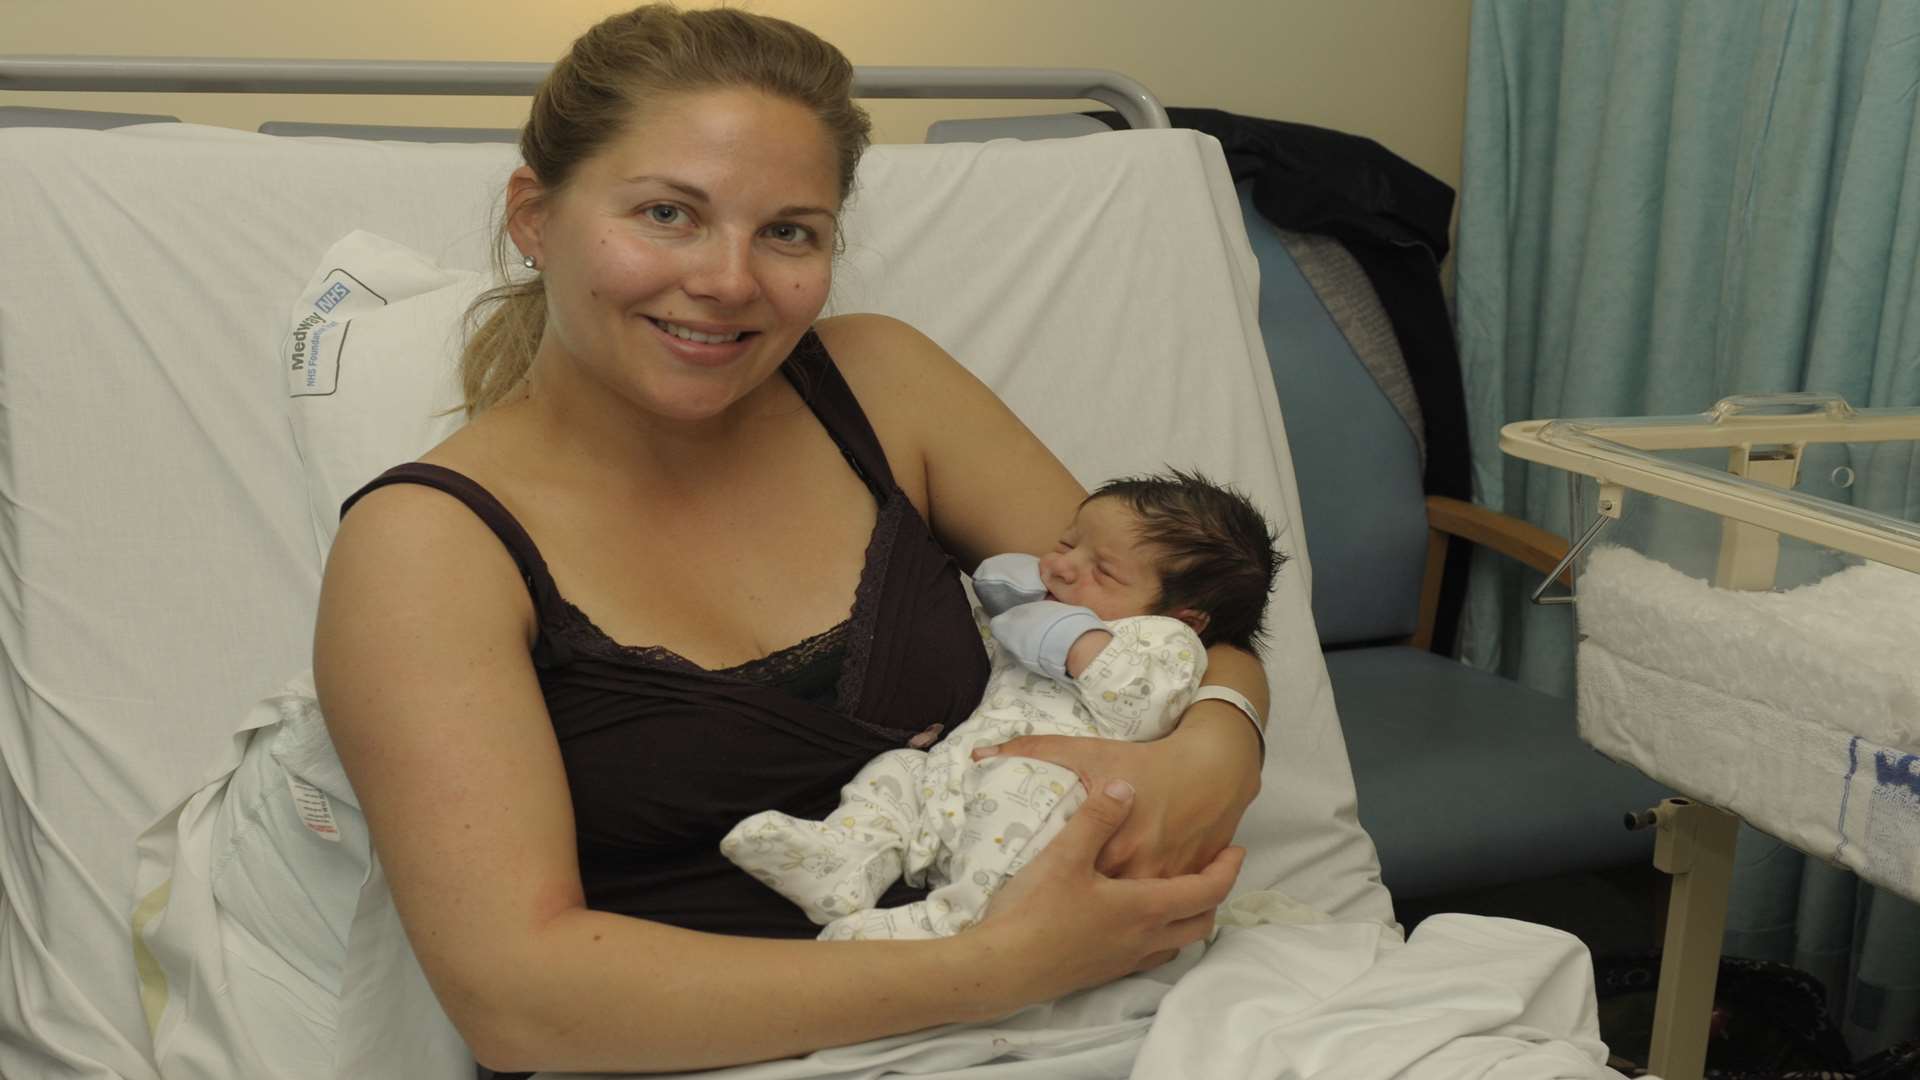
725 273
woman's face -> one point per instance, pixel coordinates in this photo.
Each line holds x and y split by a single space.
684 260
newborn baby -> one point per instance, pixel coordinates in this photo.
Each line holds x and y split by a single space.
1105 636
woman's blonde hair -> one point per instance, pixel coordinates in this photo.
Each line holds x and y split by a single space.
595 92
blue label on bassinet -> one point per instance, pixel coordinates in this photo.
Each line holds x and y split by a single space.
1897 770
1881 843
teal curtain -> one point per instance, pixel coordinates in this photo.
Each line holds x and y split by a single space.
1664 203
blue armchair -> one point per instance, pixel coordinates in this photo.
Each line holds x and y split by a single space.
1466 779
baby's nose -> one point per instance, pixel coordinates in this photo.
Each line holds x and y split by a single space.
1057 565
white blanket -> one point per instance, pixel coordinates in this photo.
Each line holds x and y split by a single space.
1465 998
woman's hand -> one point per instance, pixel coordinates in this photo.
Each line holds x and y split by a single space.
1192 787
1073 927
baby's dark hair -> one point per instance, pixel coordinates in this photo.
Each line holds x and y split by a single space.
1217 554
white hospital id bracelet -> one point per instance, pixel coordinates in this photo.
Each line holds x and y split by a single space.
1216 692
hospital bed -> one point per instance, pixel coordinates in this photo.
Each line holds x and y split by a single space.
1748 603
177 429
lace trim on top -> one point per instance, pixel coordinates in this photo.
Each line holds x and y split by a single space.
770 670
853 635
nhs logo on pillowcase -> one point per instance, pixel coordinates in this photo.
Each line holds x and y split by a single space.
312 351
335 293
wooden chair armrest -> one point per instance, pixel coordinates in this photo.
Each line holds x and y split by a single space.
1519 540
1528 544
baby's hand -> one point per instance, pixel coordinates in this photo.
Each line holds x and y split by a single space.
1085 648
1041 634
1006 581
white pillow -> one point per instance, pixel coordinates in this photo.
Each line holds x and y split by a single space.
372 365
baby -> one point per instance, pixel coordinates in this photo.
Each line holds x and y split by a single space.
1105 636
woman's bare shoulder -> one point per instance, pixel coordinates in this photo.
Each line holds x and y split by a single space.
903 378
880 354
412 547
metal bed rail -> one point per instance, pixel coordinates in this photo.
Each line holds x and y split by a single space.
215 75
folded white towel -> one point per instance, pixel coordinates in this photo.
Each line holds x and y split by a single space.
1838 652
1830 793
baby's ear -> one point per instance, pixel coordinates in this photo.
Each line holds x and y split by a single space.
1195 620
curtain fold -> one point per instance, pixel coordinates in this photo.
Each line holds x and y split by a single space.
1663 204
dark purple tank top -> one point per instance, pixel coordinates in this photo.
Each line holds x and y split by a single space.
663 757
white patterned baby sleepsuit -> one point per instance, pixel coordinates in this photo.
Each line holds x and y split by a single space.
961 828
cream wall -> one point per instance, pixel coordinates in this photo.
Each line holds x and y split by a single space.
1393 70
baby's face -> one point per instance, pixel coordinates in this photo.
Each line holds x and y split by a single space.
1100 563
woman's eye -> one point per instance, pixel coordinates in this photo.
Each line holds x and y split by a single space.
662 214
789 233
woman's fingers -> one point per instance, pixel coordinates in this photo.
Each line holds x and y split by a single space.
1115 857
1197 894
1104 812
1177 935
1079 927
1217 877
1155 960
1079 753
1192 928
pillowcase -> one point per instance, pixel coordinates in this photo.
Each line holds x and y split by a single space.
372 364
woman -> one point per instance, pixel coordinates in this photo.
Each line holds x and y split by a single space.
697 555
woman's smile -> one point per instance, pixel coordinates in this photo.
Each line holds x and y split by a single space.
702 344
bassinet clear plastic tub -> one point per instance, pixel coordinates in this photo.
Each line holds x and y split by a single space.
1746 588
1748 606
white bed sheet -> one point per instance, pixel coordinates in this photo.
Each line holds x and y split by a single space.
162 574
1464 998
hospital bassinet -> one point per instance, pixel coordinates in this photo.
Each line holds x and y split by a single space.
1747 599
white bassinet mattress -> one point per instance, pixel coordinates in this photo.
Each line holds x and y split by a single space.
1798 710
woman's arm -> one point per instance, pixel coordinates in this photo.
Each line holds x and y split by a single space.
1213 740
987 485
983 482
421 657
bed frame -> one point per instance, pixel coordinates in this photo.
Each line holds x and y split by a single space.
211 75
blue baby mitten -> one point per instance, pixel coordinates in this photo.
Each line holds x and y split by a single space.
1008 580
1040 634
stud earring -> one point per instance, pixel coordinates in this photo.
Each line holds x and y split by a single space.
527 261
